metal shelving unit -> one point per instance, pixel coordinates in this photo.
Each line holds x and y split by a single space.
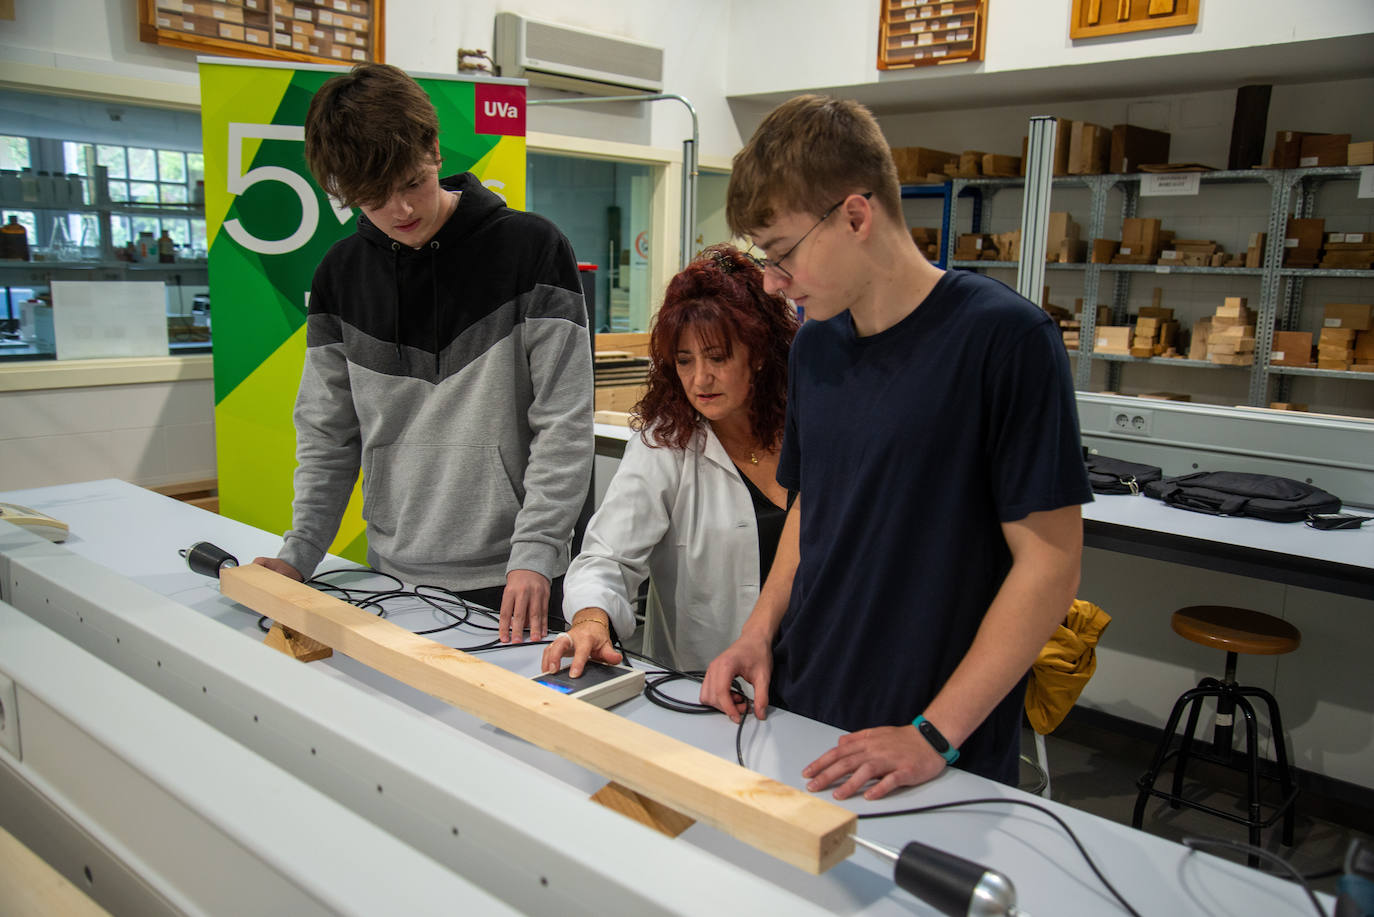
1292 193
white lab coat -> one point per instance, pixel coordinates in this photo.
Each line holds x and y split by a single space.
684 518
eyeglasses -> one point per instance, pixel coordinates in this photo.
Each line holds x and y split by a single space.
775 264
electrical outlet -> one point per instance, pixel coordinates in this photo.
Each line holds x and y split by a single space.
1131 420
9 716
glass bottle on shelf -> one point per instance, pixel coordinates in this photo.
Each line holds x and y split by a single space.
14 241
166 248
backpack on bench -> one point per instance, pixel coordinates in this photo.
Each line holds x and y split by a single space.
1238 493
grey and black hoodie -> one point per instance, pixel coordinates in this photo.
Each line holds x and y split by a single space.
458 378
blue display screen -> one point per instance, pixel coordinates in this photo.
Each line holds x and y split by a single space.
562 689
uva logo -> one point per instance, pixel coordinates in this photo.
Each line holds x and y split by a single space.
500 110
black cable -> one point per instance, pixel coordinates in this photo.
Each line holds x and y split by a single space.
1196 843
921 810
654 692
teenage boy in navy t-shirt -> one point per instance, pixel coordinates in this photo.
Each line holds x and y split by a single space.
932 434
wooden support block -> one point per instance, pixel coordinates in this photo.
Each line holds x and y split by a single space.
297 646
642 809
796 827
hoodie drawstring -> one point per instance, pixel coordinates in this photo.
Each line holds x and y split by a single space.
434 301
396 276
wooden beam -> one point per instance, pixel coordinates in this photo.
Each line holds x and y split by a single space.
794 826
642 809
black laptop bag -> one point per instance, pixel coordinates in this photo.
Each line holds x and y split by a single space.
1238 493
1116 476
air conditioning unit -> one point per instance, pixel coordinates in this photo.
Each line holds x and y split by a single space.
562 57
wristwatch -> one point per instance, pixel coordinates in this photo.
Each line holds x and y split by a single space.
937 741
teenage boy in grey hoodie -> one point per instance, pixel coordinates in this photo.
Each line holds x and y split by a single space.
447 358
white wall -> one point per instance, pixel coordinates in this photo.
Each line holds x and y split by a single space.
146 433
424 36
791 45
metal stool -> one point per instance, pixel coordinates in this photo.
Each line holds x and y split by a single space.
1235 630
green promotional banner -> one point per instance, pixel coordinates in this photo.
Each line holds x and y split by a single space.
268 225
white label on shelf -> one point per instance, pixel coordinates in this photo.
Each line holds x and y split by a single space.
341 5
326 17
1366 182
939 52
961 35
1331 323
927 12
164 23
1101 342
954 23
1357 237
1278 355
1171 255
909 42
946 9
1125 249
907 3
918 26
1290 243
217 12
1307 162
925 39
910 15
341 36
1177 184
1163 269
918 55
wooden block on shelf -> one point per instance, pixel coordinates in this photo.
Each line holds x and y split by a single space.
1332 364
1132 146
1104 250
1360 154
1348 317
998 166
915 163
1287 149
1291 348
790 824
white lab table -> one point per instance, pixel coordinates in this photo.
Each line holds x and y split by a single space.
138 534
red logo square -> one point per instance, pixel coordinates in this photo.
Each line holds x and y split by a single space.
499 109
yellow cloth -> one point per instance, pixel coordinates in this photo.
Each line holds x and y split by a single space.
1064 667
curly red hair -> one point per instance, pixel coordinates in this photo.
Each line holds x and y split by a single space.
721 295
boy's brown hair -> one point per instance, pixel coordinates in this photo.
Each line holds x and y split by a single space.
367 131
807 154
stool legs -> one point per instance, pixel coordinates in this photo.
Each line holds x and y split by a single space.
1230 698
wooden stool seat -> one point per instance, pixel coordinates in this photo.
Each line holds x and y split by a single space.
1236 630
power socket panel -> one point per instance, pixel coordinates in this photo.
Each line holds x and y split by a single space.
1132 420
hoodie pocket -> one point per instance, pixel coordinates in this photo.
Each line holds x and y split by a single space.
437 504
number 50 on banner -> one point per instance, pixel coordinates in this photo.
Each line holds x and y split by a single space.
239 181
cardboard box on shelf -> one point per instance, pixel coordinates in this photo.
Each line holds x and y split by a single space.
1292 348
1287 149
1323 150
1304 233
914 163
1140 238
1104 250
1364 346
1089 148
1360 154
1071 251
1133 146
1348 316
1112 339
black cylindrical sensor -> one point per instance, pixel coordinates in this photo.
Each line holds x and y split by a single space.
208 560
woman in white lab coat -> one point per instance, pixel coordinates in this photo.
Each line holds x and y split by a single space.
695 504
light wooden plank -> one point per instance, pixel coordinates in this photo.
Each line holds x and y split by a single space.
796 827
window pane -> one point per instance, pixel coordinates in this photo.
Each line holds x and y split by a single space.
74 156
198 238
179 230
173 194
145 192
171 166
144 224
142 164
112 158
119 191
119 230
195 168
14 152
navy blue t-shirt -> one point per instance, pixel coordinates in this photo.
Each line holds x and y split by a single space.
910 447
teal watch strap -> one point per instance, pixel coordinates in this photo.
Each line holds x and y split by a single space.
937 741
